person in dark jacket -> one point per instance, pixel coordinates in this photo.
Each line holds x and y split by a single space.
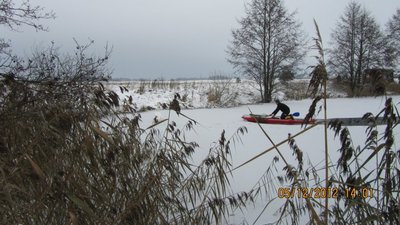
281 107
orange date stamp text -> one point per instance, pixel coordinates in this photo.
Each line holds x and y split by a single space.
319 192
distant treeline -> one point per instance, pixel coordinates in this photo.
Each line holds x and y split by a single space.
216 77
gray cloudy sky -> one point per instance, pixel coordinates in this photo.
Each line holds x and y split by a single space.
168 38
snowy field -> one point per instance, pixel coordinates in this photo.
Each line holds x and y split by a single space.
194 93
212 121
151 94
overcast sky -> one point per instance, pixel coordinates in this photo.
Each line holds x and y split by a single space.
168 38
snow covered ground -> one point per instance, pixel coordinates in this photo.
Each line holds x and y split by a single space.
212 121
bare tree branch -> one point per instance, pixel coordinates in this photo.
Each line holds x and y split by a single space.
13 15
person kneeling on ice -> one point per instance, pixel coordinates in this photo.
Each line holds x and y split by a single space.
282 107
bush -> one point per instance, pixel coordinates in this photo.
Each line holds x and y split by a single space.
393 88
286 74
66 156
221 94
296 90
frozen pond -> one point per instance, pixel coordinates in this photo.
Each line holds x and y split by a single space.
211 122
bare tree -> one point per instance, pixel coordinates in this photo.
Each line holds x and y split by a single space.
393 33
358 44
269 39
13 15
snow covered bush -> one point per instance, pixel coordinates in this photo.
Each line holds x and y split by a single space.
221 93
